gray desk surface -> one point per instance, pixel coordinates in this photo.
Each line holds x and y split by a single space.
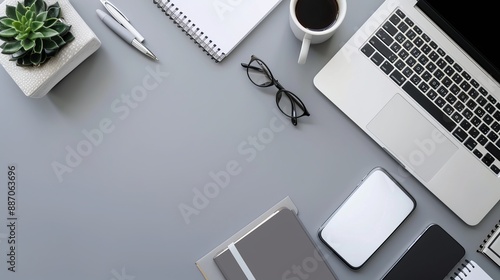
117 214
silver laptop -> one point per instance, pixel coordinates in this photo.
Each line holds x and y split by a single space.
421 79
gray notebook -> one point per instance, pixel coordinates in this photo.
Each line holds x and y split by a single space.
278 248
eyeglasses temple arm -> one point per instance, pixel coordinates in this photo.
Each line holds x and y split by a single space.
251 67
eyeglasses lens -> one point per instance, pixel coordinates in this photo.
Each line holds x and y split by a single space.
259 74
286 101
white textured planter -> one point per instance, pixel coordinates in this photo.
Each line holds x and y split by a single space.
38 81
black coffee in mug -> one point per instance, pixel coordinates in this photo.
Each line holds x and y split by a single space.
316 15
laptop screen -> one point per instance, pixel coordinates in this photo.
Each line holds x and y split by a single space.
466 22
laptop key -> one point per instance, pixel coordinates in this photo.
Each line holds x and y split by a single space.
488 159
400 37
394 19
483 91
474 132
384 37
495 169
386 67
457 117
490 108
390 28
426 37
400 13
478 154
407 72
397 77
460 134
377 59
470 144
383 49
367 50
482 140
403 27
429 106
496 127
492 136
399 64
440 102
459 106
465 125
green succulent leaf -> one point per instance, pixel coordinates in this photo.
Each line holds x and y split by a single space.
54 11
19 16
28 3
50 53
38 45
11 47
30 15
28 44
24 61
10 11
35 25
2 26
48 32
58 40
19 54
18 26
7 22
48 44
61 28
22 36
11 32
50 21
20 10
36 58
35 35
68 37
41 17
5 39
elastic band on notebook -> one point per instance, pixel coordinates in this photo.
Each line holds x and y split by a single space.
239 259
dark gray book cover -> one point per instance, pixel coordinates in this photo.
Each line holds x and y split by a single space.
278 248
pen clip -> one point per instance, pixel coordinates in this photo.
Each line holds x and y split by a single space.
105 3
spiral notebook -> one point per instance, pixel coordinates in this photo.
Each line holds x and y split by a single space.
491 245
470 270
217 26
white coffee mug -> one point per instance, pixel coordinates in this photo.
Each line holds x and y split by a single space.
308 36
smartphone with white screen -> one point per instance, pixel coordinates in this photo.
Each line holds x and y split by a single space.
367 218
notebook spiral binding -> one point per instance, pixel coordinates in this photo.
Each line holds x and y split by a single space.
488 236
463 271
190 29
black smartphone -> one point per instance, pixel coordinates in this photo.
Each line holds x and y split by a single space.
431 256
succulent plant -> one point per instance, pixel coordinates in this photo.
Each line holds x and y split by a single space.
33 32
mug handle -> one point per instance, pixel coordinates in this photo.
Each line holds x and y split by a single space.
304 50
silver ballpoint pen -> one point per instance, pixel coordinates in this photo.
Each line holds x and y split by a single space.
122 19
124 33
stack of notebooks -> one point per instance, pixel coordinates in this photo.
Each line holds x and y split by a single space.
277 247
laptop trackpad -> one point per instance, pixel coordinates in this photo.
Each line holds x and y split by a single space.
412 138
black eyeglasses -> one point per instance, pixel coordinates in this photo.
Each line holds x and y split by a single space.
288 103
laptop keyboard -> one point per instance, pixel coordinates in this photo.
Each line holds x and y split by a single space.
440 85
